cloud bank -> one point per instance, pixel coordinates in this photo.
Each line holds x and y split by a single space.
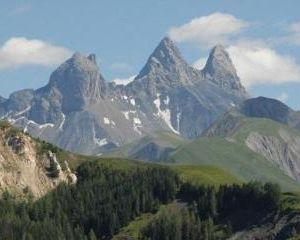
123 81
258 64
255 60
20 51
207 30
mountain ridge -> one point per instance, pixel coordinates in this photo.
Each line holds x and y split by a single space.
168 94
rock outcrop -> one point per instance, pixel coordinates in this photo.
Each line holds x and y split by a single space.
24 168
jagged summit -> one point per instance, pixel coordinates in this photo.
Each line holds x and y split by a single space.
167 52
79 111
166 55
92 57
78 80
220 69
219 58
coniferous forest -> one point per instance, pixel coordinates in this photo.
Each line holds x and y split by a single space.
106 199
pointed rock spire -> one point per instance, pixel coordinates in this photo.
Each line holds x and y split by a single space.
220 69
166 55
79 81
92 58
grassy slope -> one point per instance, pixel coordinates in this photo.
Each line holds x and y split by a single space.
233 157
205 175
263 126
131 231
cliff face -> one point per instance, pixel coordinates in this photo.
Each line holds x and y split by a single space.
283 151
26 168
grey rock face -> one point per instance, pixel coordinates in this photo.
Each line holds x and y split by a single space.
78 82
79 111
219 69
188 100
284 152
19 100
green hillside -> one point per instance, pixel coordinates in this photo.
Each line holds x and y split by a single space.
233 157
263 126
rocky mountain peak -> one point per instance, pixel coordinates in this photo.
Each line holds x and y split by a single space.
92 58
220 69
79 81
219 59
165 56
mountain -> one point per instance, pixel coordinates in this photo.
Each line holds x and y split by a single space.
263 107
234 155
219 69
79 111
264 126
28 166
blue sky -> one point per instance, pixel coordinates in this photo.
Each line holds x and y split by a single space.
263 38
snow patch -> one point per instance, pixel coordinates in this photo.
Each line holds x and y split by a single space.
124 81
178 121
132 101
126 114
22 112
61 125
164 114
154 59
137 121
101 142
167 100
40 126
106 120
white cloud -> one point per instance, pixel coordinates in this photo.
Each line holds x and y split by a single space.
200 63
123 81
22 51
208 30
283 97
256 64
259 64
